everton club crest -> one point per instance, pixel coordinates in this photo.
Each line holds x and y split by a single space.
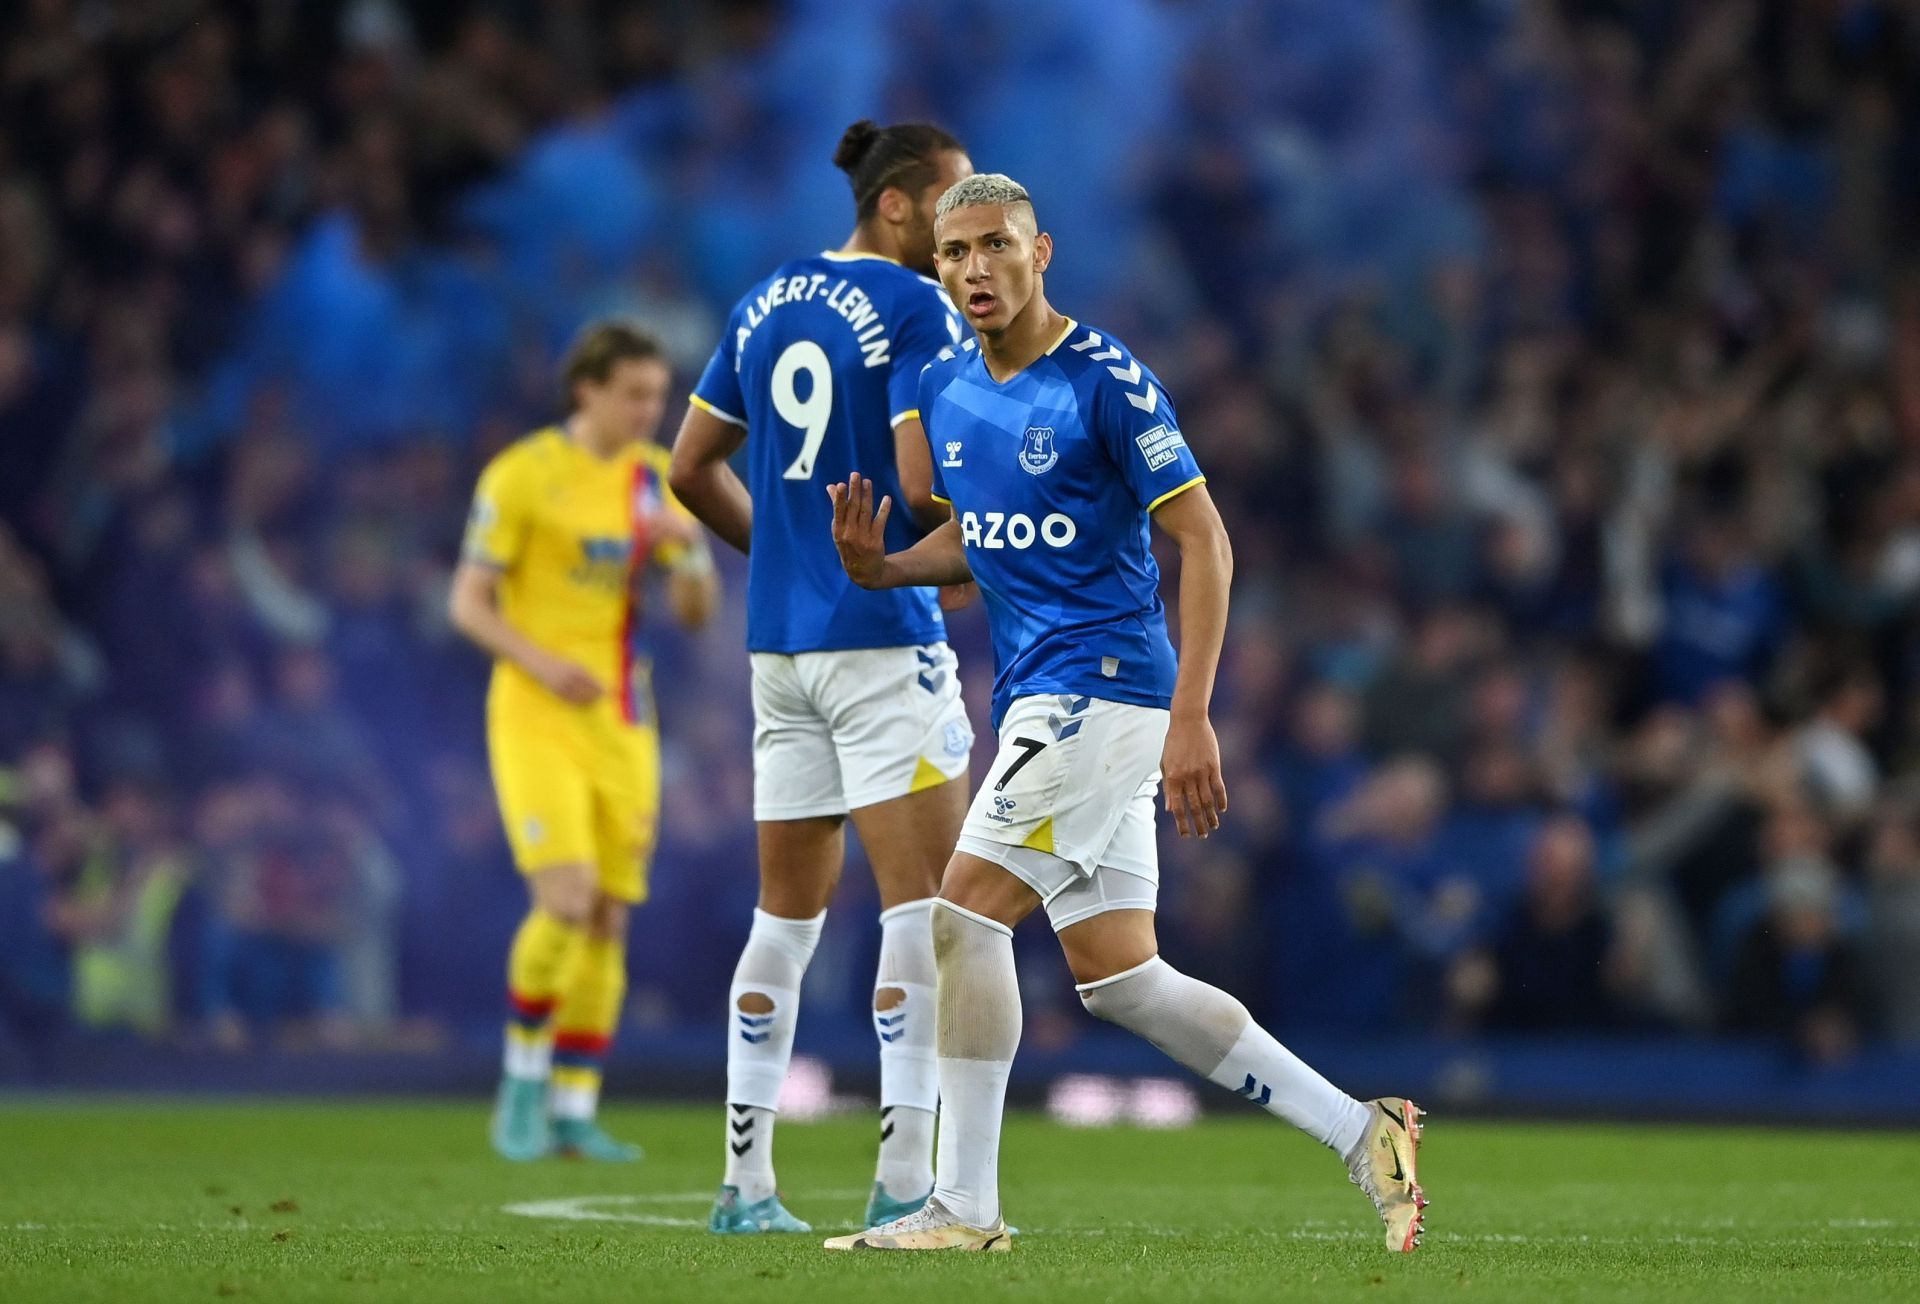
1037 454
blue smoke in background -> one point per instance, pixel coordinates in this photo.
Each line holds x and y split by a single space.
1185 156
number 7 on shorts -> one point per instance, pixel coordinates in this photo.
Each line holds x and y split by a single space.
1030 748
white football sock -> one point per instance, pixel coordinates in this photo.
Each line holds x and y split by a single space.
1211 1033
760 1042
904 1019
750 1152
529 1055
577 1101
979 999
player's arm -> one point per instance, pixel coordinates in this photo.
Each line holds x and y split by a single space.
915 460
702 480
679 547
928 328
474 610
693 588
1196 792
860 533
913 443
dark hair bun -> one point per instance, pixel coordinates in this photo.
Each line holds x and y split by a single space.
855 144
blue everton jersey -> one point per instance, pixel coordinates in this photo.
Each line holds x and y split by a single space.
1052 476
819 362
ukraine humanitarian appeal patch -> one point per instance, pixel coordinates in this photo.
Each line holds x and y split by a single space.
1160 446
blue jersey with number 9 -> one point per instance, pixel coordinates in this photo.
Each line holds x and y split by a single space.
819 362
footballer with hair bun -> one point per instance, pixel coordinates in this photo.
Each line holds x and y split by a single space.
856 697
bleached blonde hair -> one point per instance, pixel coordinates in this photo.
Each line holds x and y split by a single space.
984 188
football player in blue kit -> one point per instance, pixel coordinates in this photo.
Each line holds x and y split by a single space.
1055 448
856 697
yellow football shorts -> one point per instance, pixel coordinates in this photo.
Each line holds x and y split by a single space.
576 785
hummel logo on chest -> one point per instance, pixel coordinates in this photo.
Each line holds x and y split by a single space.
953 453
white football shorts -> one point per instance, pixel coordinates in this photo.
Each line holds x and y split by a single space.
835 731
1068 805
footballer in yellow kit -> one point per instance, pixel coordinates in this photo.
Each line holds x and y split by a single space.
566 525
578 782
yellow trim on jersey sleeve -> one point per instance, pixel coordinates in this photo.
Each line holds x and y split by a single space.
911 414
711 410
938 499
1175 493
1072 326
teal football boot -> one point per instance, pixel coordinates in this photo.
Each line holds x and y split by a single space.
519 1130
883 1208
582 1138
733 1216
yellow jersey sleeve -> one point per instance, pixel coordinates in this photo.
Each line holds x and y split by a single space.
497 525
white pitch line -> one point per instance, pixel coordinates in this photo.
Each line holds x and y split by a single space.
607 1208
589 1208
572 1210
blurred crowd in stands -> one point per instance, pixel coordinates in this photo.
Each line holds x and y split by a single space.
1556 367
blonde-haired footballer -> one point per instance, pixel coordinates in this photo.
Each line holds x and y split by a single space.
1065 451
566 523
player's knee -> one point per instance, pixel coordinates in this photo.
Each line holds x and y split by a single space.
948 933
985 890
608 917
572 917
574 909
754 1003
1113 1002
1128 994
797 889
887 998
567 893
900 884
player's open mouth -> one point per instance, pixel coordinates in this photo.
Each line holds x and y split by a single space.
980 303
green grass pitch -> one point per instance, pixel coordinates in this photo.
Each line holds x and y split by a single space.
161 1201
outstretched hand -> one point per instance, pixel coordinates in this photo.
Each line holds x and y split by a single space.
859 531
